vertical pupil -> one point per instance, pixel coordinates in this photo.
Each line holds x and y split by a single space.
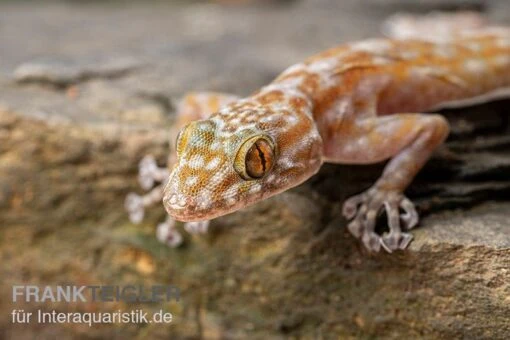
258 159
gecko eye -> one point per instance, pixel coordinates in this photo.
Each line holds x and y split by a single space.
255 157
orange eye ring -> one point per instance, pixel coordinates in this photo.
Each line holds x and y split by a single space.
255 157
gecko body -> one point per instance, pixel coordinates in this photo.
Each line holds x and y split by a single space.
359 103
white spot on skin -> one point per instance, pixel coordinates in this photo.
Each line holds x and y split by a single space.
445 51
294 68
251 119
408 55
503 43
218 177
421 71
255 188
362 144
502 60
231 200
205 127
342 106
475 65
190 181
271 178
231 195
285 163
196 162
323 65
378 60
348 148
291 120
375 46
284 85
215 146
281 107
268 119
242 114
182 201
220 123
182 162
474 46
204 199
213 164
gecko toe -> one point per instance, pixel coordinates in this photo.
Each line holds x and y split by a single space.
146 169
134 206
393 241
371 241
199 227
167 234
405 240
350 207
362 228
410 216
355 228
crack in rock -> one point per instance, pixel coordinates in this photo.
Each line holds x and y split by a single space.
61 73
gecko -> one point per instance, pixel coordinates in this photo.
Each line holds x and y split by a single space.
360 103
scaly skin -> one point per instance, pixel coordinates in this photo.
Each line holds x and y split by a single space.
359 103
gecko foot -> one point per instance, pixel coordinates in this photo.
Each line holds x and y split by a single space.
149 173
168 234
363 210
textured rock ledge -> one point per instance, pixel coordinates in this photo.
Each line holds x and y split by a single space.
283 268
286 266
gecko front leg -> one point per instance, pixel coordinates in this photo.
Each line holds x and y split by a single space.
410 139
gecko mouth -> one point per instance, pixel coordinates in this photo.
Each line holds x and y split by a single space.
184 208
181 207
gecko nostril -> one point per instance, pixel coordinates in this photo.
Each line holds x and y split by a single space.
191 204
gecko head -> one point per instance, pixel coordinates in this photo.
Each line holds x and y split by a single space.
232 160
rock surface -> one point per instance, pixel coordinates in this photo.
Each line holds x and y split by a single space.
87 90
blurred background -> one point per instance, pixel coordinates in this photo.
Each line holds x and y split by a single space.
87 88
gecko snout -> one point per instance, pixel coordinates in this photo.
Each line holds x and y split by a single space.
175 201
179 206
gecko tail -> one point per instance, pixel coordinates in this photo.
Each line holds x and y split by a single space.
435 26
